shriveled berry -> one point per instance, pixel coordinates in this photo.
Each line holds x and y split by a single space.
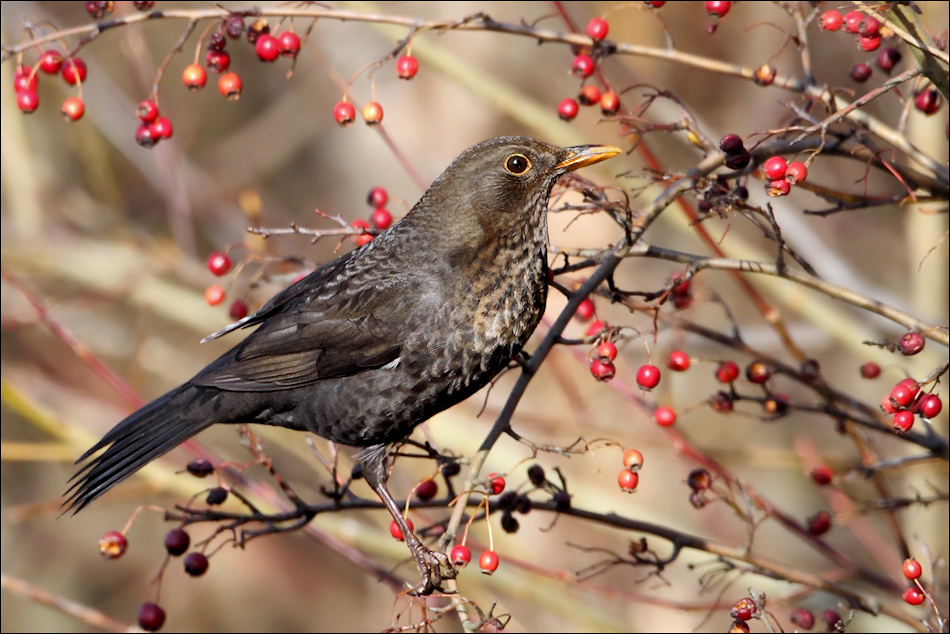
143 136
758 372
718 8
819 523
664 416
50 62
648 377
194 77
177 542
396 532
73 71
738 161
25 79
632 459
731 144
888 58
590 95
496 482
200 468
607 350
583 66
230 86
237 310
162 128
775 167
461 556
699 480
382 219
488 562
911 343
628 480
427 489
929 405
803 618
852 21
822 475
258 28
151 618
113 545
27 100
778 188
679 361
796 172
597 29
289 44
267 47
860 72
407 66
344 113
567 109
196 564
764 75
912 568
914 596
831 20
372 113
903 421
234 27
216 496
609 103
870 370
98 9
217 61
147 111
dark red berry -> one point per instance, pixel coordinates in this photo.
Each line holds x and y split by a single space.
27 100
718 8
407 66
289 44
870 370
852 21
609 103
819 523
583 66
831 20
98 9
200 468
680 288
628 480
911 343
113 545
822 475
143 136
832 618
372 113
888 58
597 29
144 5
929 405
196 564
194 77
50 62
664 416
73 71
731 144
219 263
590 95
344 113
912 569
396 532
177 542
267 47
461 556
488 562
427 489
216 496
237 310
151 617
162 128
216 41
648 376
217 62
382 219
679 361
699 480
536 475
567 109
758 372
234 27
738 161
914 596
803 618
809 369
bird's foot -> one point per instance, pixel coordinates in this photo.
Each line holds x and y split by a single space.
431 564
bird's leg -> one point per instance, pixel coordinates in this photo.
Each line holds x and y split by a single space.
430 562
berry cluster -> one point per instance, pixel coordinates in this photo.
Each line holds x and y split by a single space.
583 67
154 127
905 400
867 28
344 113
629 476
26 81
381 218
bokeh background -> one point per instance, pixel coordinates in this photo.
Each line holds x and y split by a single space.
113 238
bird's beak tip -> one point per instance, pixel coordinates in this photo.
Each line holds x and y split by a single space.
584 155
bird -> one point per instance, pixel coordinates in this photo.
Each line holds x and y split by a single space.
376 342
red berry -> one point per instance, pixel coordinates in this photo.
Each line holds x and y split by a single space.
648 376
718 8
25 79
911 343
731 144
597 29
407 66
27 100
914 596
363 238
372 113
743 609
902 395
144 5
819 523
681 288
869 26
214 295
229 85
860 72
382 219
628 480
758 372
113 545
177 542
488 562
911 384
427 489
585 310
775 168
602 369
822 475
237 310
679 361
609 103
831 20
194 77
151 617
98 9
832 618
344 113
73 109
461 556
632 459
912 569
50 62
727 372
596 327
73 71
217 62
778 188
803 618
664 416
852 21
497 483
607 350
143 136
590 95
656 4
567 109
396 532
887 405
162 128
377 197
359 223
196 564
796 172
929 405
289 44
870 370
147 111
903 421
869 44
583 66
267 47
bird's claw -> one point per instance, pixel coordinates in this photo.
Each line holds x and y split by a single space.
431 564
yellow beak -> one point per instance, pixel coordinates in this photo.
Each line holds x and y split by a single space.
584 155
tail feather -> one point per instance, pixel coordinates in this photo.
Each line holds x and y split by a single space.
145 435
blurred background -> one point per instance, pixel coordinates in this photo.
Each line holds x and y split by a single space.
112 239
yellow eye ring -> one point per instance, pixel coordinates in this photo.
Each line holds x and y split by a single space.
517 164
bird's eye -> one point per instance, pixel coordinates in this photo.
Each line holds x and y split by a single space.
517 164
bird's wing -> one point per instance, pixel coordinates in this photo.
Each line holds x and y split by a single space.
324 326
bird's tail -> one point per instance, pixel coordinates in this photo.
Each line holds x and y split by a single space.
153 430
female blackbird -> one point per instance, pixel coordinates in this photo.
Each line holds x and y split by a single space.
376 342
